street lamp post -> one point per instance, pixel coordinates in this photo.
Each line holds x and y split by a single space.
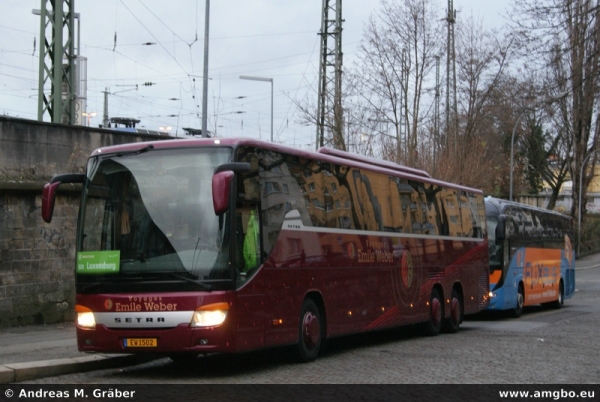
89 115
165 129
580 198
512 146
205 73
245 77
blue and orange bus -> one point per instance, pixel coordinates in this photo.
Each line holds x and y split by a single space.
531 256
196 246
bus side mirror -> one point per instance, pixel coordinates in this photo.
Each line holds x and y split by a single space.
49 192
48 197
221 184
221 188
501 229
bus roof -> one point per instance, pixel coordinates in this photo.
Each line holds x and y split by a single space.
502 205
372 161
323 154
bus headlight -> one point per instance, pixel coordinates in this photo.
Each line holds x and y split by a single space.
85 317
210 315
492 295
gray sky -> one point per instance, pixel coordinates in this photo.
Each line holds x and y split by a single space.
264 38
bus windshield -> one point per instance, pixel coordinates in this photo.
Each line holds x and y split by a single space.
153 210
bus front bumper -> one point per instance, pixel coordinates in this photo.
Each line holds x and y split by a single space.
181 339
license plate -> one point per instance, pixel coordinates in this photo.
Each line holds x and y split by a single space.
140 342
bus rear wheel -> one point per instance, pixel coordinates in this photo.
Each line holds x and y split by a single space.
518 310
436 314
558 303
310 334
452 323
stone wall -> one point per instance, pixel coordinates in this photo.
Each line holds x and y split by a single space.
37 259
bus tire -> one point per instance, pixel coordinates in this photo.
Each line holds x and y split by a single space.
558 303
518 310
436 314
452 323
310 332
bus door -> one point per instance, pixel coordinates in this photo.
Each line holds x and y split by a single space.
286 258
250 294
503 267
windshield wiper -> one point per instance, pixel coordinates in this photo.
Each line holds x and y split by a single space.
140 258
88 286
184 278
133 277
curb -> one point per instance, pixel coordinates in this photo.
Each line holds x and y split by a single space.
584 268
17 372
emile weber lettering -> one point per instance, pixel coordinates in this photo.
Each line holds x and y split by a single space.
375 252
148 304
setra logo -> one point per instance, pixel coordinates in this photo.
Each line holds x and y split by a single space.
108 304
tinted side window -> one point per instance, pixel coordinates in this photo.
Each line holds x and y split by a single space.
277 185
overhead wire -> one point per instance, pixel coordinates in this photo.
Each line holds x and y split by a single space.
297 90
155 38
190 76
187 70
166 26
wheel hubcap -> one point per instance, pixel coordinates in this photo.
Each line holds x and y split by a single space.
311 330
520 300
455 311
436 312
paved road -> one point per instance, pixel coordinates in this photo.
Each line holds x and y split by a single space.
542 347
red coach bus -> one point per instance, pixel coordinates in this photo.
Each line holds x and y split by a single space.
197 246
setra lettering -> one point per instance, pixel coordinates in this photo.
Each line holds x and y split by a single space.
131 320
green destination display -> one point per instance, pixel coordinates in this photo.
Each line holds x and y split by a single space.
98 262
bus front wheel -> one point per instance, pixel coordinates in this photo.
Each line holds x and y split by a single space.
518 310
310 332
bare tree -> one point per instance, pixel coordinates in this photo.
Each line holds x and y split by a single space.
397 54
569 32
482 57
559 138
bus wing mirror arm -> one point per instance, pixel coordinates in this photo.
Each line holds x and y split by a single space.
235 167
49 192
501 229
